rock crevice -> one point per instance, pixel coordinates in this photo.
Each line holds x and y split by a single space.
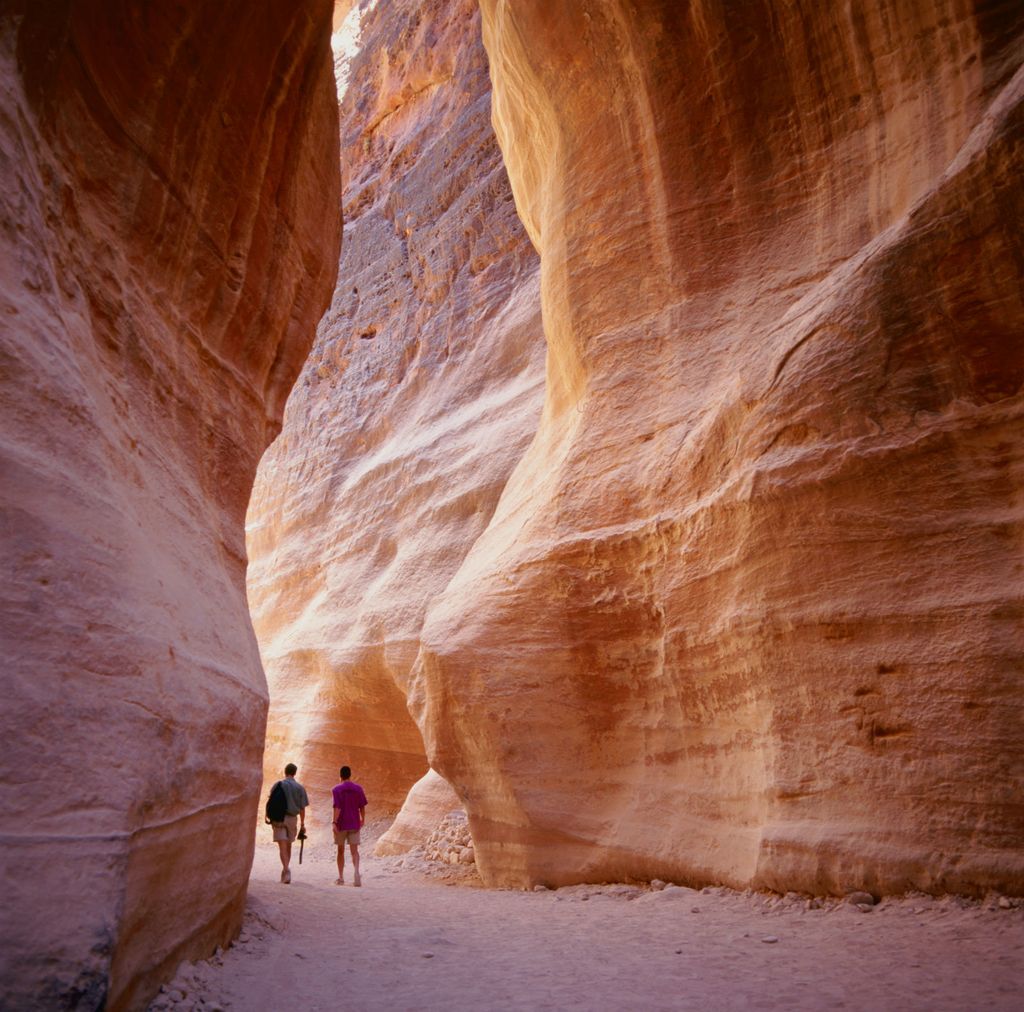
421 393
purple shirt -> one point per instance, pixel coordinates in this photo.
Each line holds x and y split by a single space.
349 798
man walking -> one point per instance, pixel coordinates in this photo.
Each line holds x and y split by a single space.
294 819
349 816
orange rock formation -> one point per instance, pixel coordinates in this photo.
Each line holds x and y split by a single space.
734 594
170 237
422 391
750 607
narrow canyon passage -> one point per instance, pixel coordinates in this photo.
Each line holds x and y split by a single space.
648 489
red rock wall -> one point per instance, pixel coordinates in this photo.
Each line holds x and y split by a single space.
750 607
421 393
169 238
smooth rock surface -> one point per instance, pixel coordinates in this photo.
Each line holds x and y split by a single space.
421 393
429 800
749 610
169 231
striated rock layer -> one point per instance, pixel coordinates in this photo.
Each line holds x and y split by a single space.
750 607
169 238
420 395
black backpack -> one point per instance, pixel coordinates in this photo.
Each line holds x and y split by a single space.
277 804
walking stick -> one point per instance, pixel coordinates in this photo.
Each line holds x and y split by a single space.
302 842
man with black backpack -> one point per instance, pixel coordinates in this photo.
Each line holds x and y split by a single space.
286 813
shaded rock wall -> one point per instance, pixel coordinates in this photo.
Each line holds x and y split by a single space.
750 607
421 393
169 238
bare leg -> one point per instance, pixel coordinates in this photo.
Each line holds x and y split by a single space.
354 847
282 846
341 864
286 858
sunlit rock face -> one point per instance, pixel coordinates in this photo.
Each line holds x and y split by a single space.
429 800
422 391
169 239
750 608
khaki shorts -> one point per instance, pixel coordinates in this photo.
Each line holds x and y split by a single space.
351 836
285 832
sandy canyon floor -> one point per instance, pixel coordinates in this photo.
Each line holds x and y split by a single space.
411 938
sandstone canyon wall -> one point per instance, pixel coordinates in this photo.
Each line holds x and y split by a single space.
170 228
749 609
742 603
429 800
421 393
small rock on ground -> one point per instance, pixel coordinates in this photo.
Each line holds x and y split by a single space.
860 897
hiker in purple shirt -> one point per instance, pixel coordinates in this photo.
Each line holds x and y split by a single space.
349 816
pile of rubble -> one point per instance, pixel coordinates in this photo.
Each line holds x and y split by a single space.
451 843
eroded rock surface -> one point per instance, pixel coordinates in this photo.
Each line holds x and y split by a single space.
421 393
169 238
749 609
429 800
